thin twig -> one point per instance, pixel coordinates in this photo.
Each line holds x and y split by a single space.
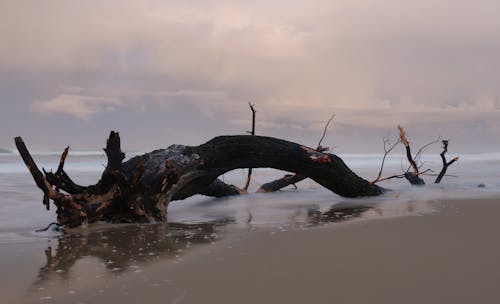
389 177
386 151
422 149
324 131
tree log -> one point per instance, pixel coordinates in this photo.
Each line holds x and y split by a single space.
140 189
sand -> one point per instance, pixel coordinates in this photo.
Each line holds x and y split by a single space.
451 255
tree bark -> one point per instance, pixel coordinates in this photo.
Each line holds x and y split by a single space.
140 189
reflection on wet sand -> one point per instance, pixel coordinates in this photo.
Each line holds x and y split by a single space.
121 247
338 213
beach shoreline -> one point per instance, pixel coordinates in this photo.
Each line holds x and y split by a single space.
446 256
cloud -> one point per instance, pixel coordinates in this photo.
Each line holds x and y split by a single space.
374 63
348 53
82 107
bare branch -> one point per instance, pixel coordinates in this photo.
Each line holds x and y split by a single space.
324 131
386 151
405 142
249 175
60 168
424 147
389 177
445 163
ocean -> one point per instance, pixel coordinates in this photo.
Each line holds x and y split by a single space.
474 175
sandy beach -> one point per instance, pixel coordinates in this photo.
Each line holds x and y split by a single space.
450 255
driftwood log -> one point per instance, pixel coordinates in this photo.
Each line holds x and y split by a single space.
140 189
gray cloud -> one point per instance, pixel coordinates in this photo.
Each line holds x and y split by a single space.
76 105
188 68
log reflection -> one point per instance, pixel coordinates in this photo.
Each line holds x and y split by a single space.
122 246
337 213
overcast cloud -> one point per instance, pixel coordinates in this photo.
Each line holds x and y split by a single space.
164 72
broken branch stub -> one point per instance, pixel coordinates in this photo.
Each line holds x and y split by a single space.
249 175
412 177
446 164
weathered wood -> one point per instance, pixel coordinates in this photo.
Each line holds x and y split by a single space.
292 179
226 153
61 180
140 189
278 184
412 177
288 179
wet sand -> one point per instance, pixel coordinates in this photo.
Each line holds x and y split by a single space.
448 256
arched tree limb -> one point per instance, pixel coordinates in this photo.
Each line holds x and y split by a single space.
292 179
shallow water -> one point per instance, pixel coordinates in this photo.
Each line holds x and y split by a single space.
21 209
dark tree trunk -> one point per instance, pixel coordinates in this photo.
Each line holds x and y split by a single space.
140 189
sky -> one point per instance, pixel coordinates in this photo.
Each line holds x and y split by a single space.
181 72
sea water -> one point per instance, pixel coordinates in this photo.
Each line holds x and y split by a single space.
473 176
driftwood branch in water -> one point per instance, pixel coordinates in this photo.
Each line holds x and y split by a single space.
412 177
140 189
445 163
